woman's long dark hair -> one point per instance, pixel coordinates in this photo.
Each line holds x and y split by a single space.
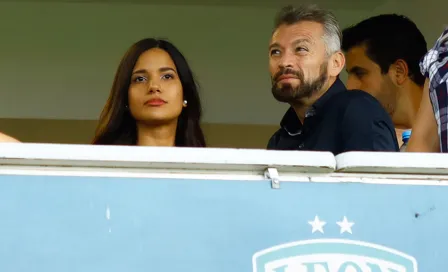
117 126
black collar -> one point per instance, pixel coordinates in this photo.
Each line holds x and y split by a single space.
291 123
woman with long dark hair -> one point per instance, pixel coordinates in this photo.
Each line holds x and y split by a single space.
154 100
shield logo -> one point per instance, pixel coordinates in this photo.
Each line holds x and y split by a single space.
332 255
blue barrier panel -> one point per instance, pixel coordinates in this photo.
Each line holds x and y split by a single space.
56 223
82 208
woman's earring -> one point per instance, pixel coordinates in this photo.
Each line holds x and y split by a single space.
185 103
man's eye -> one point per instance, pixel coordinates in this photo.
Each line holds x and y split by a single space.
275 52
359 74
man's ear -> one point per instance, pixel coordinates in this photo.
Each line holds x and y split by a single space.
399 71
336 63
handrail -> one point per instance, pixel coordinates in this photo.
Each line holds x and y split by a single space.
164 157
220 159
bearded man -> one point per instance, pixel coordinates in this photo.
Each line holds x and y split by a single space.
305 60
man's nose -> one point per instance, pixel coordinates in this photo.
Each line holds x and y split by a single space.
287 60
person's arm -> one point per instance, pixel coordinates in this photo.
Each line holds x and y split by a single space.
367 127
425 130
425 136
7 139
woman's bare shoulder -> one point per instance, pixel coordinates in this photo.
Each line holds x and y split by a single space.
6 138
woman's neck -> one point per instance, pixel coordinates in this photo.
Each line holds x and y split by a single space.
162 135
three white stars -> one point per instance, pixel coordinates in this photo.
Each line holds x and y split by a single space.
318 225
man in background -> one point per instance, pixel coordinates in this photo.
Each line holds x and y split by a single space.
383 54
305 60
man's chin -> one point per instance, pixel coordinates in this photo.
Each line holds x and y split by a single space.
286 85
283 96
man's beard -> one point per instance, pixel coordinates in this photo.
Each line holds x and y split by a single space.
305 89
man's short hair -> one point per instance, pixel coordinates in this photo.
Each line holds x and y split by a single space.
388 38
290 15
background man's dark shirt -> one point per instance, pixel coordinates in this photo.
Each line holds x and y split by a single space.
339 121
